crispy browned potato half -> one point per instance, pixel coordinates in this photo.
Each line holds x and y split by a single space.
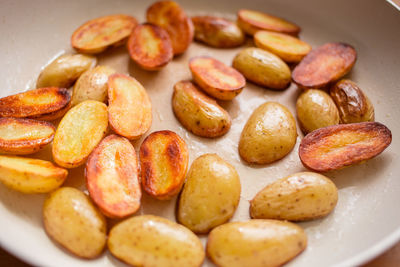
252 21
43 104
170 16
324 65
97 34
24 136
217 32
129 106
342 145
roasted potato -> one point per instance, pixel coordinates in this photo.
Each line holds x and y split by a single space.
129 106
148 240
256 243
269 134
338 146
171 17
324 65
79 132
262 68
299 197
72 220
210 195
217 32
197 112
112 177
97 34
65 70
164 160
216 78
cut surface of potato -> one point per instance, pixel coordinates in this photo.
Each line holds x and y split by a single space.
216 78
97 34
342 145
150 46
172 18
324 65
129 106
79 132
30 175
164 160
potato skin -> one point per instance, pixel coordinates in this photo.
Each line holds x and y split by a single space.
199 113
148 240
298 197
213 177
269 134
256 243
164 159
72 220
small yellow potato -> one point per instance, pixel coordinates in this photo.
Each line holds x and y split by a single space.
299 197
152 241
269 134
255 243
92 85
262 68
287 47
129 106
79 132
210 195
316 109
30 176
199 113
65 70
72 220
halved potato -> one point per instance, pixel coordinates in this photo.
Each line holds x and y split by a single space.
24 136
164 160
30 175
252 21
171 17
324 65
43 104
97 34
342 145
129 106
216 78
150 46
79 132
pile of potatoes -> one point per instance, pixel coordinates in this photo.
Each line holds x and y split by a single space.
105 111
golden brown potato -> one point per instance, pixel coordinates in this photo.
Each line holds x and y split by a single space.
171 17
316 109
251 21
288 48
256 243
148 240
299 197
197 112
95 35
262 68
342 145
216 78
150 47
129 106
79 132
65 70
324 65
164 160
210 195
112 177
269 134
217 32
352 103
72 220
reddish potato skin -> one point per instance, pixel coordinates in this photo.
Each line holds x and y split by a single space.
365 140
